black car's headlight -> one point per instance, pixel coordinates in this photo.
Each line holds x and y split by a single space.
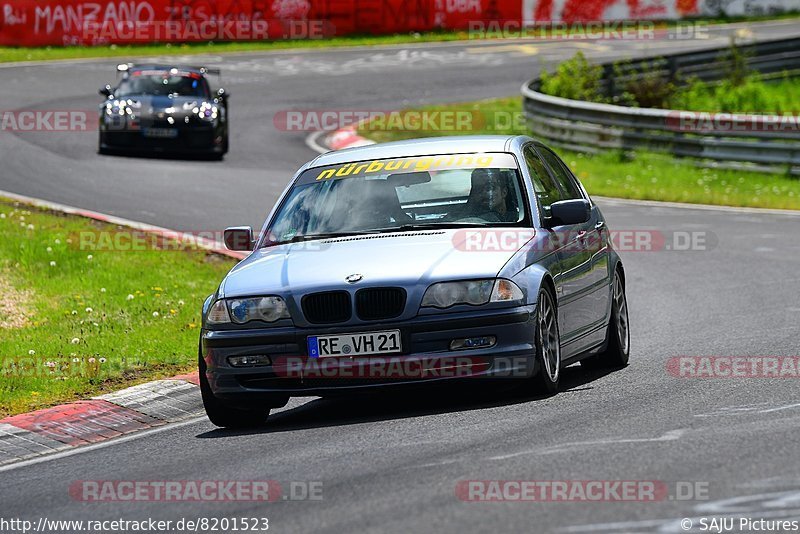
121 108
207 112
241 311
472 292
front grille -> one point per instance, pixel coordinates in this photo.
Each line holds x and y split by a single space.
328 307
380 303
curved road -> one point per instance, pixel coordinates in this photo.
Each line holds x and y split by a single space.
392 464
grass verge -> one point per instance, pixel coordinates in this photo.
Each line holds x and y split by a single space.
49 53
77 323
643 176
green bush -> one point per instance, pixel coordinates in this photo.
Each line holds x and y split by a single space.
575 79
752 95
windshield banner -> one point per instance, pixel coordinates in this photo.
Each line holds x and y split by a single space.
380 167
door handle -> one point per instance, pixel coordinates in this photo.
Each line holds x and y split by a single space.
599 225
582 235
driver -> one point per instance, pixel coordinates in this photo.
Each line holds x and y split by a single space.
490 198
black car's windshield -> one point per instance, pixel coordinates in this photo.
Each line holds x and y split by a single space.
163 84
447 191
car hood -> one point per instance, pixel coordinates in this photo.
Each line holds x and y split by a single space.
402 259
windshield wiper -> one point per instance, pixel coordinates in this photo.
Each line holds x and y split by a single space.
313 237
430 226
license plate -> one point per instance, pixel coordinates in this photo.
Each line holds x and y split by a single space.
387 342
162 133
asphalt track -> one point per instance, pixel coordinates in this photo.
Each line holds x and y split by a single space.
392 463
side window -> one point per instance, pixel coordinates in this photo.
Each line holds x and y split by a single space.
546 189
563 175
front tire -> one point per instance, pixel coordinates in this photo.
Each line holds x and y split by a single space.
548 345
618 347
224 416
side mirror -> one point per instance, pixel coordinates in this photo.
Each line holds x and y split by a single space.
567 212
239 238
105 91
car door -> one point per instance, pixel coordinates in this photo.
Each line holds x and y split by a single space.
573 261
586 276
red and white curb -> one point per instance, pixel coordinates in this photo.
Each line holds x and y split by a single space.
101 418
340 139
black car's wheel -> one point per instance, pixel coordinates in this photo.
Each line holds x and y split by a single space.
618 348
548 344
100 149
225 416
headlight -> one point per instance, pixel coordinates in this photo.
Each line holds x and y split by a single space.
473 292
267 309
218 313
207 112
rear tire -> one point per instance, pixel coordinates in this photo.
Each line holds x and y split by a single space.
618 347
548 345
225 416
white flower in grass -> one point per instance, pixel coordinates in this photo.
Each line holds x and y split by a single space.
181 303
2 215
90 257
129 297
31 227
75 340
31 352
57 241
49 250
103 360
102 290
155 314
52 264
89 310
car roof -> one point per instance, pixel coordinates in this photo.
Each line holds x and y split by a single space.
465 144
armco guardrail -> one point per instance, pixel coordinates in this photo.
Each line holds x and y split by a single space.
770 141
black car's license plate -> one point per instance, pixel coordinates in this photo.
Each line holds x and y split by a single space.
160 133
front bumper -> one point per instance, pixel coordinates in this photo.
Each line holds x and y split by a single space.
188 139
426 358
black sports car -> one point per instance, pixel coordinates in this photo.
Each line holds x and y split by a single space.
164 109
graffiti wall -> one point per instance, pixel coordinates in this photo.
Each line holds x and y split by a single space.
583 10
88 22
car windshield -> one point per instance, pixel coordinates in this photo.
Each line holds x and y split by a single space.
163 84
457 190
